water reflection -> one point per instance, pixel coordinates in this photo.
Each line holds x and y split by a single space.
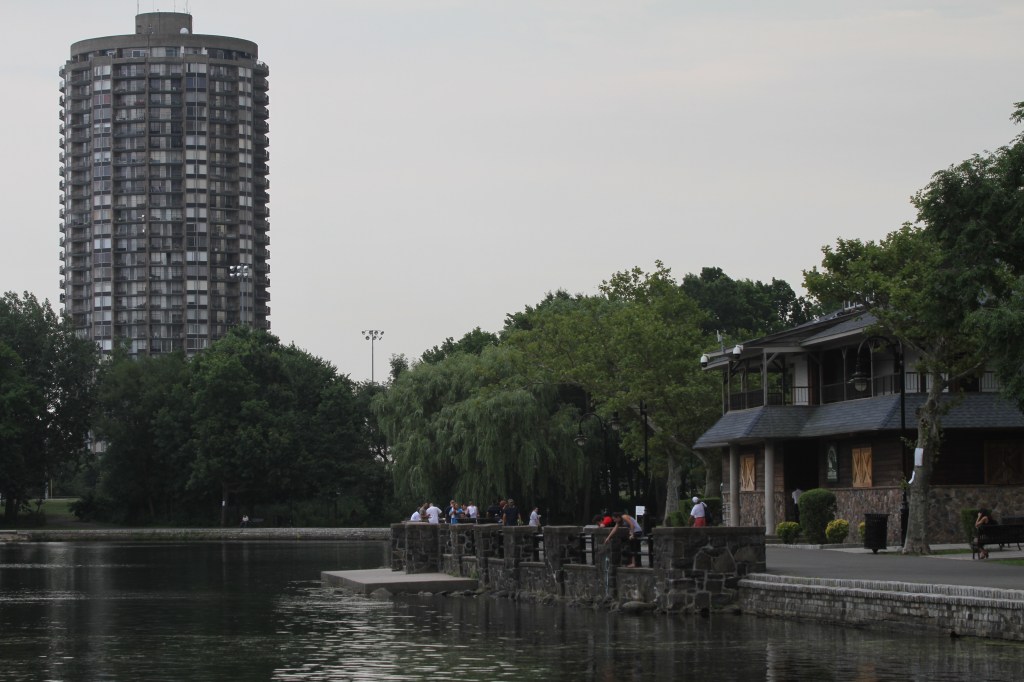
220 611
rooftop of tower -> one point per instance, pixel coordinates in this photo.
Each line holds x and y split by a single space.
163 26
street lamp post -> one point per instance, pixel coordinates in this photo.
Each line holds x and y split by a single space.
648 484
372 335
241 272
647 479
861 380
581 440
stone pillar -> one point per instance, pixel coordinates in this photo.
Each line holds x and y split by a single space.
489 544
734 485
769 488
561 546
398 545
422 548
518 544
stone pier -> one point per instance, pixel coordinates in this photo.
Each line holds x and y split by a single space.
681 569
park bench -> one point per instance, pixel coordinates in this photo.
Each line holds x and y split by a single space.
997 534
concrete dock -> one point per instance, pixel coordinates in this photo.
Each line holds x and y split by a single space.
367 580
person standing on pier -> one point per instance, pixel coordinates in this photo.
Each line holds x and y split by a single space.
510 514
433 514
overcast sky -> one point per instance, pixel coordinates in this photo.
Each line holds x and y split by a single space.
436 165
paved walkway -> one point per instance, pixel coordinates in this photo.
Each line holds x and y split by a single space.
890 565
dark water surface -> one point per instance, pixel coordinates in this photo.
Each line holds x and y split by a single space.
257 611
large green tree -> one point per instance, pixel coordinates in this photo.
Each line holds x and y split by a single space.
273 423
144 419
633 350
910 284
744 308
45 399
975 210
471 342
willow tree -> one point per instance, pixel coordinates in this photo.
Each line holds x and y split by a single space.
633 349
471 427
913 287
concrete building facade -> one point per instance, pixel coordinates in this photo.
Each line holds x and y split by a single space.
164 190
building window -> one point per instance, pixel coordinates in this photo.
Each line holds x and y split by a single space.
862 467
748 473
1004 463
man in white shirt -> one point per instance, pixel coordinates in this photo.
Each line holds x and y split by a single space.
471 510
433 514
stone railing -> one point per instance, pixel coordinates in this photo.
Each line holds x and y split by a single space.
682 569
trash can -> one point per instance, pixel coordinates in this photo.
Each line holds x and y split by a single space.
876 528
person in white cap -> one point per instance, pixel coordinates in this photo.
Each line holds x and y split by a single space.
697 512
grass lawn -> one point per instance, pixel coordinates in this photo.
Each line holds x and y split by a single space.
55 513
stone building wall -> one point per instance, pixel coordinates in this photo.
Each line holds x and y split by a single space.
943 514
853 503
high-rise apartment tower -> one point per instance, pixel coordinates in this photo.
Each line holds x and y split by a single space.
165 227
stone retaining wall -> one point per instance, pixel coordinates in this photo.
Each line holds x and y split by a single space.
973 611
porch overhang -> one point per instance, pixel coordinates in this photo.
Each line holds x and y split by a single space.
882 413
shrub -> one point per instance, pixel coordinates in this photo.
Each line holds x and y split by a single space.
836 531
788 531
678 519
967 519
860 530
817 508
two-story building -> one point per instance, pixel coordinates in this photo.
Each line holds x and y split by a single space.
827 404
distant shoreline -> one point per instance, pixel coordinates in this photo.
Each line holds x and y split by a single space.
194 534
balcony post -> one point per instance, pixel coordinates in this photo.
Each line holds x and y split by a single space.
769 488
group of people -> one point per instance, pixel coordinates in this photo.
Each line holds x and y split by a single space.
503 511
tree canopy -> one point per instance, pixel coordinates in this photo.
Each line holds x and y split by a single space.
975 211
246 423
907 282
46 397
744 308
503 420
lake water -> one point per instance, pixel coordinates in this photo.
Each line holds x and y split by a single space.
257 611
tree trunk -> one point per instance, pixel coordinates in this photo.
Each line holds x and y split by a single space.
919 498
11 509
712 472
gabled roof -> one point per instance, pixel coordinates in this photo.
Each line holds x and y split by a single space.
846 327
788 422
836 325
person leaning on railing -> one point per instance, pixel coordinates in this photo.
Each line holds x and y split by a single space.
624 521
